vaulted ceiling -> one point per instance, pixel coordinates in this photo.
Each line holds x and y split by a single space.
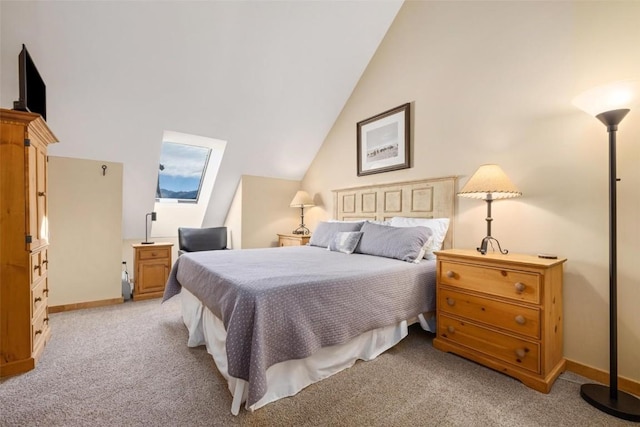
269 77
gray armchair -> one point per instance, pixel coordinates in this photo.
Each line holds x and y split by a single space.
201 239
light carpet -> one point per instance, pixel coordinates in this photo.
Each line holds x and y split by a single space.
129 365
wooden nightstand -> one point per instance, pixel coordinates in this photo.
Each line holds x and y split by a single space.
293 239
151 264
503 311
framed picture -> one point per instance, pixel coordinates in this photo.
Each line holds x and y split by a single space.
383 141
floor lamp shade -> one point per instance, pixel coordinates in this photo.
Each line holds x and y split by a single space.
489 183
301 200
610 104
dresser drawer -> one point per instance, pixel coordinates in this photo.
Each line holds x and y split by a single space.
521 353
154 253
39 295
507 283
39 328
515 318
39 265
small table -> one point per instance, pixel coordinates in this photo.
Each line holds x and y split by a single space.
293 239
151 266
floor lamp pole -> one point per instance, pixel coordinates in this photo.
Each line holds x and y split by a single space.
610 399
613 265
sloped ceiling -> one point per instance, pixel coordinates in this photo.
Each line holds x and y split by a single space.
269 77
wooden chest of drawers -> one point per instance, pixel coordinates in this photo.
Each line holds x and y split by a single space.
503 311
24 228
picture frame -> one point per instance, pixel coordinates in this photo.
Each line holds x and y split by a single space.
383 141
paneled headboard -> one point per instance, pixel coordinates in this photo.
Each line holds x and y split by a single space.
428 198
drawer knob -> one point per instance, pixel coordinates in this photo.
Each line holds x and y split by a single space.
521 352
451 302
154 254
451 329
45 291
38 332
46 320
520 320
520 287
37 267
41 193
38 299
450 274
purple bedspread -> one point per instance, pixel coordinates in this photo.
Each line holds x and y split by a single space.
285 303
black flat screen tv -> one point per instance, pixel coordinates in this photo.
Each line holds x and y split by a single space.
33 91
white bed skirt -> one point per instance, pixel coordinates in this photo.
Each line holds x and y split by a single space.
288 378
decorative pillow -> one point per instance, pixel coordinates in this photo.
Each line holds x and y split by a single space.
438 226
345 241
325 231
403 243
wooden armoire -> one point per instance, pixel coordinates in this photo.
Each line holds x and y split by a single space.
24 287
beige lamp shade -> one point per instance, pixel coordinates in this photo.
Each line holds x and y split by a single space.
489 182
301 199
623 94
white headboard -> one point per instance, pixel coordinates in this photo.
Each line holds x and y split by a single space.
428 198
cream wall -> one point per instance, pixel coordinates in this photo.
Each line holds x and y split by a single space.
85 215
260 210
492 82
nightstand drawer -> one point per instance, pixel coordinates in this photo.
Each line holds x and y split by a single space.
293 239
521 353
515 318
516 285
154 253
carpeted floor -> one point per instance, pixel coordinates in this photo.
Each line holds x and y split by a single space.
128 365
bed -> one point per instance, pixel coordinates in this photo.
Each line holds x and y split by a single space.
276 320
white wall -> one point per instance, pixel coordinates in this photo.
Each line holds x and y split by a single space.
233 222
492 82
125 71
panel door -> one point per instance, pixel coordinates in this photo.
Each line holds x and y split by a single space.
37 221
152 276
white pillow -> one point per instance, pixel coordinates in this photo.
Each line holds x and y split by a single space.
438 226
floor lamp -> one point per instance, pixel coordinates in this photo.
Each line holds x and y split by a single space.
610 104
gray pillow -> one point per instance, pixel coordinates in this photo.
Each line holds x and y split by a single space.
403 243
345 241
325 231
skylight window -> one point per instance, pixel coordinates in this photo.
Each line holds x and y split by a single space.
187 170
181 172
